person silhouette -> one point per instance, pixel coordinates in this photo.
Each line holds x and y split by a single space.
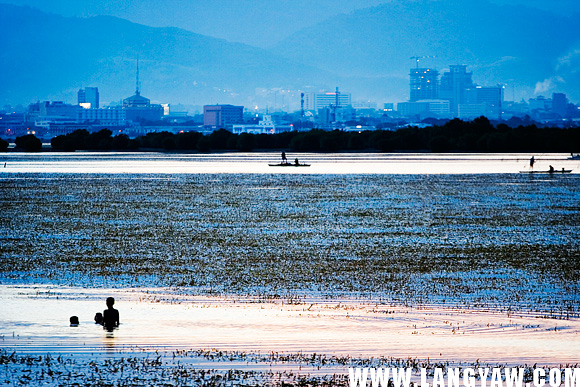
284 161
110 315
74 321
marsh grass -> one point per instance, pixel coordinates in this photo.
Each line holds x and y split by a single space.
489 240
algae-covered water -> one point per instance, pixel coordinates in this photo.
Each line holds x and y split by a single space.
491 239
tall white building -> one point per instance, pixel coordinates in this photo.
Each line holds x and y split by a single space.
315 101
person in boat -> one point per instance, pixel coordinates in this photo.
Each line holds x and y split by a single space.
551 169
284 161
532 161
110 315
296 161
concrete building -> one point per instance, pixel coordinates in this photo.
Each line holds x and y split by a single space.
138 108
540 103
472 110
316 101
220 116
453 85
489 96
264 126
106 117
364 105
52 111
424 84
424 108
328 115
560 104
88 97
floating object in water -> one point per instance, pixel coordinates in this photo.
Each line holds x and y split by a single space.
289 165
550 172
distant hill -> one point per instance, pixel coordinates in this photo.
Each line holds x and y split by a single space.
508 44
46 56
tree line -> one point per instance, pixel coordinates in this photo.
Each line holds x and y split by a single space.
456 135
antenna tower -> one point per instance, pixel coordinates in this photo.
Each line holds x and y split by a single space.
137 84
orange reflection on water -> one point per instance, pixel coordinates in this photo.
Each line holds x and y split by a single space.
36 320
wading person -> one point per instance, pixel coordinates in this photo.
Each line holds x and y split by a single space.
110 315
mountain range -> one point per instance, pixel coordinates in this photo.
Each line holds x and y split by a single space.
367 52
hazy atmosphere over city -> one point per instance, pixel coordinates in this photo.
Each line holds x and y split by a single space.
199 52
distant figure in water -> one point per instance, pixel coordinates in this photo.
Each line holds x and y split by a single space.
532 161
284 161
99 318
551 169
110 315
296 161
74 321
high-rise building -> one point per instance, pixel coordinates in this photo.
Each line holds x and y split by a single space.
560 104
219 116
89 95
482 101
453 85
315 101
424 84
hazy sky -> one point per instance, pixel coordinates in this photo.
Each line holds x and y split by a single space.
257 22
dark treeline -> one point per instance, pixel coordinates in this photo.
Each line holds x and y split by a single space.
456 135
102 140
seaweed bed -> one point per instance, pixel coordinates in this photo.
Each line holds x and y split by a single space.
181 368
501 241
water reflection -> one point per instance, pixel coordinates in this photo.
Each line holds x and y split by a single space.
340 327
340 163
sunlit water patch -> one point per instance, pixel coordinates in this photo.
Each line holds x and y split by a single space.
35 321
241 163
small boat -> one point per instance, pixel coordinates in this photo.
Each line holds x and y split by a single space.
550 172
574 156
289 165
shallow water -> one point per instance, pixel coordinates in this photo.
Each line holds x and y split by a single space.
339 163
35 320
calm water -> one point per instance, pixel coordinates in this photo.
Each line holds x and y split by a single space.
371 163
35 320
